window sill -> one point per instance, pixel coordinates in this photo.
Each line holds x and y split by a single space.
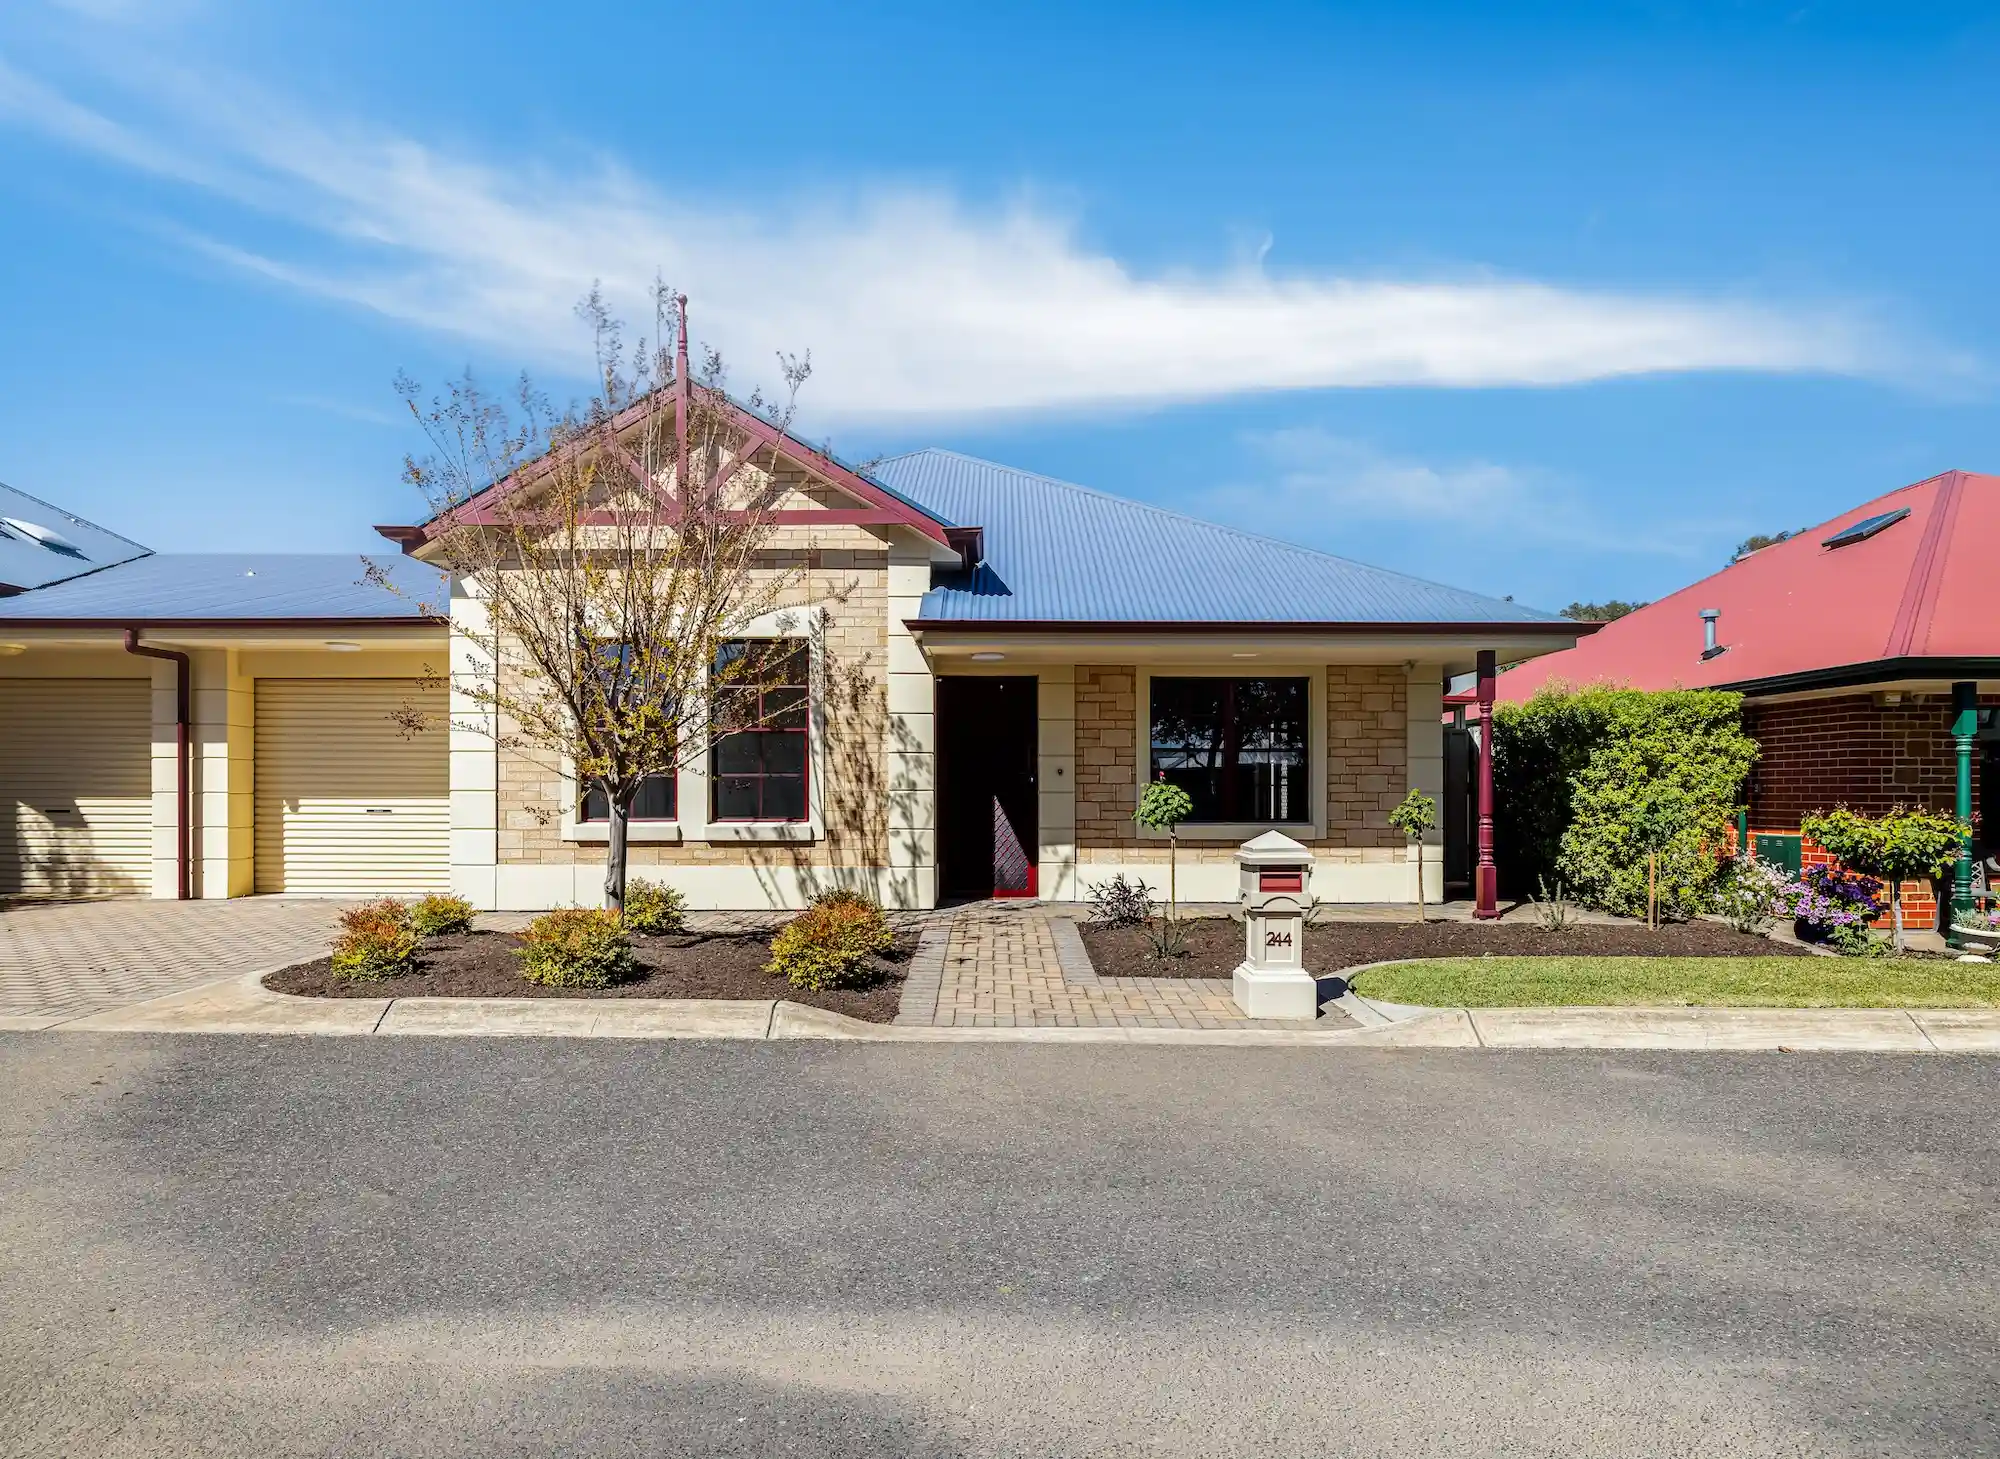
1235 832
760 831
637 833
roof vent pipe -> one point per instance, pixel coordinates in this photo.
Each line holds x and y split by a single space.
1709 647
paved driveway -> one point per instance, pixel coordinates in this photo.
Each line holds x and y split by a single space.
62 960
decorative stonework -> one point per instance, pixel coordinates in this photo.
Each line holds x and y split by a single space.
1367 754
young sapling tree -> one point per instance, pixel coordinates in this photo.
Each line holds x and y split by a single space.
1414 817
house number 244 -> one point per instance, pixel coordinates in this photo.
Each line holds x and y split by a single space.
1277 939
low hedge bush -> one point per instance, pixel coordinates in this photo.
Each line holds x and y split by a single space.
576 947
1592 786
829 944
438 915
376 940
653 909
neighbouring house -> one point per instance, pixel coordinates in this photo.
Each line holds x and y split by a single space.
1030 653
1868 654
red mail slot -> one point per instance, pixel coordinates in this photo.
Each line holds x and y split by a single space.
1281 881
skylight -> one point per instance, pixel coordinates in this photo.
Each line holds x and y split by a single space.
1867 527
45 536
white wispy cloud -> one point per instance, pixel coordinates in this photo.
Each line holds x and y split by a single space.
912 302
1310 483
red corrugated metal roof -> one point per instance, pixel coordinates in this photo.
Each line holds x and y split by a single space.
1920 588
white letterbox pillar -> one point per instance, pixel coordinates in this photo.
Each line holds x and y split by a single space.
1274 881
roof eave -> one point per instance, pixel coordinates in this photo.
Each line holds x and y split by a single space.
116 621
1534 627
1876 671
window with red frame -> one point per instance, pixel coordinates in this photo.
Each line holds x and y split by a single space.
762 710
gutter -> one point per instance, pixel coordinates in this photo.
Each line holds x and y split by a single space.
183 821
1858 676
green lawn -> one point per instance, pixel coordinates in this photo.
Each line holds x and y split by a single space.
1742 982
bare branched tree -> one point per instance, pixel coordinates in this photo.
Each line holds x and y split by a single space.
616 548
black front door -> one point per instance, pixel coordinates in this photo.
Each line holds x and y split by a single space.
987 832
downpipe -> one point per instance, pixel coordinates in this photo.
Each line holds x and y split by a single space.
183 819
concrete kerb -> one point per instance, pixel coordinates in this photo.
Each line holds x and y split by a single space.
243 1005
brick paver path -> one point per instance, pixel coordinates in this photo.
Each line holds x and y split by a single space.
66 959
996 965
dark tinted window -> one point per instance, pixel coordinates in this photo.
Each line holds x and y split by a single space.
758 758
654 802
1236 746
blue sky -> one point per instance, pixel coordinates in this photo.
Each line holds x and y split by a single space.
1550 301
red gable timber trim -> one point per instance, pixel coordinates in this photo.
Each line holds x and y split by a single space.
832 517
1927 570
897 512
847 480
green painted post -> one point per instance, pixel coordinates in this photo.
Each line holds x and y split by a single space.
1965 731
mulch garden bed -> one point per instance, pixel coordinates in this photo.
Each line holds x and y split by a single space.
483 965
1215 944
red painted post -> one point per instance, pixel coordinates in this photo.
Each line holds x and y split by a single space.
1486 876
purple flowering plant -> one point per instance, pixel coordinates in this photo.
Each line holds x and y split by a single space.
1829 897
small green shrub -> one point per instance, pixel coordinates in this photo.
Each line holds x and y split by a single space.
1751 894
829 944
576 947
1904 845
847 897
441 916
376 941
653 909
1119 902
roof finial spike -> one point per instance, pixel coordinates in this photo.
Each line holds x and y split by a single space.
681 337
682 469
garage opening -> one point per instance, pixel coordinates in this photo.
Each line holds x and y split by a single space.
76 787
348 802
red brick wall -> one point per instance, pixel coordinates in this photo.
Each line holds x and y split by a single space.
1851 751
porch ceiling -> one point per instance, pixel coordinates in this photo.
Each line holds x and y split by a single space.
1455 649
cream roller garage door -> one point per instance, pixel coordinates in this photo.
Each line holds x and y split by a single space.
347 802
76 787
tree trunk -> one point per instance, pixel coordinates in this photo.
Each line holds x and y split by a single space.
1421 917
617 821
1652 891
1896 913
1173 859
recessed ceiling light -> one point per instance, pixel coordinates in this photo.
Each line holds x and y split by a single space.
988 658
1243 656
343 645
8 650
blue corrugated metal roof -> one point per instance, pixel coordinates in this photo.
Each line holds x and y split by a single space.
255 585
1056 552
42 544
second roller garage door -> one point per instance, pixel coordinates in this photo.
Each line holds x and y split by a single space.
348 803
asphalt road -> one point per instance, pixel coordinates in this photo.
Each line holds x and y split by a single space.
513 1247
